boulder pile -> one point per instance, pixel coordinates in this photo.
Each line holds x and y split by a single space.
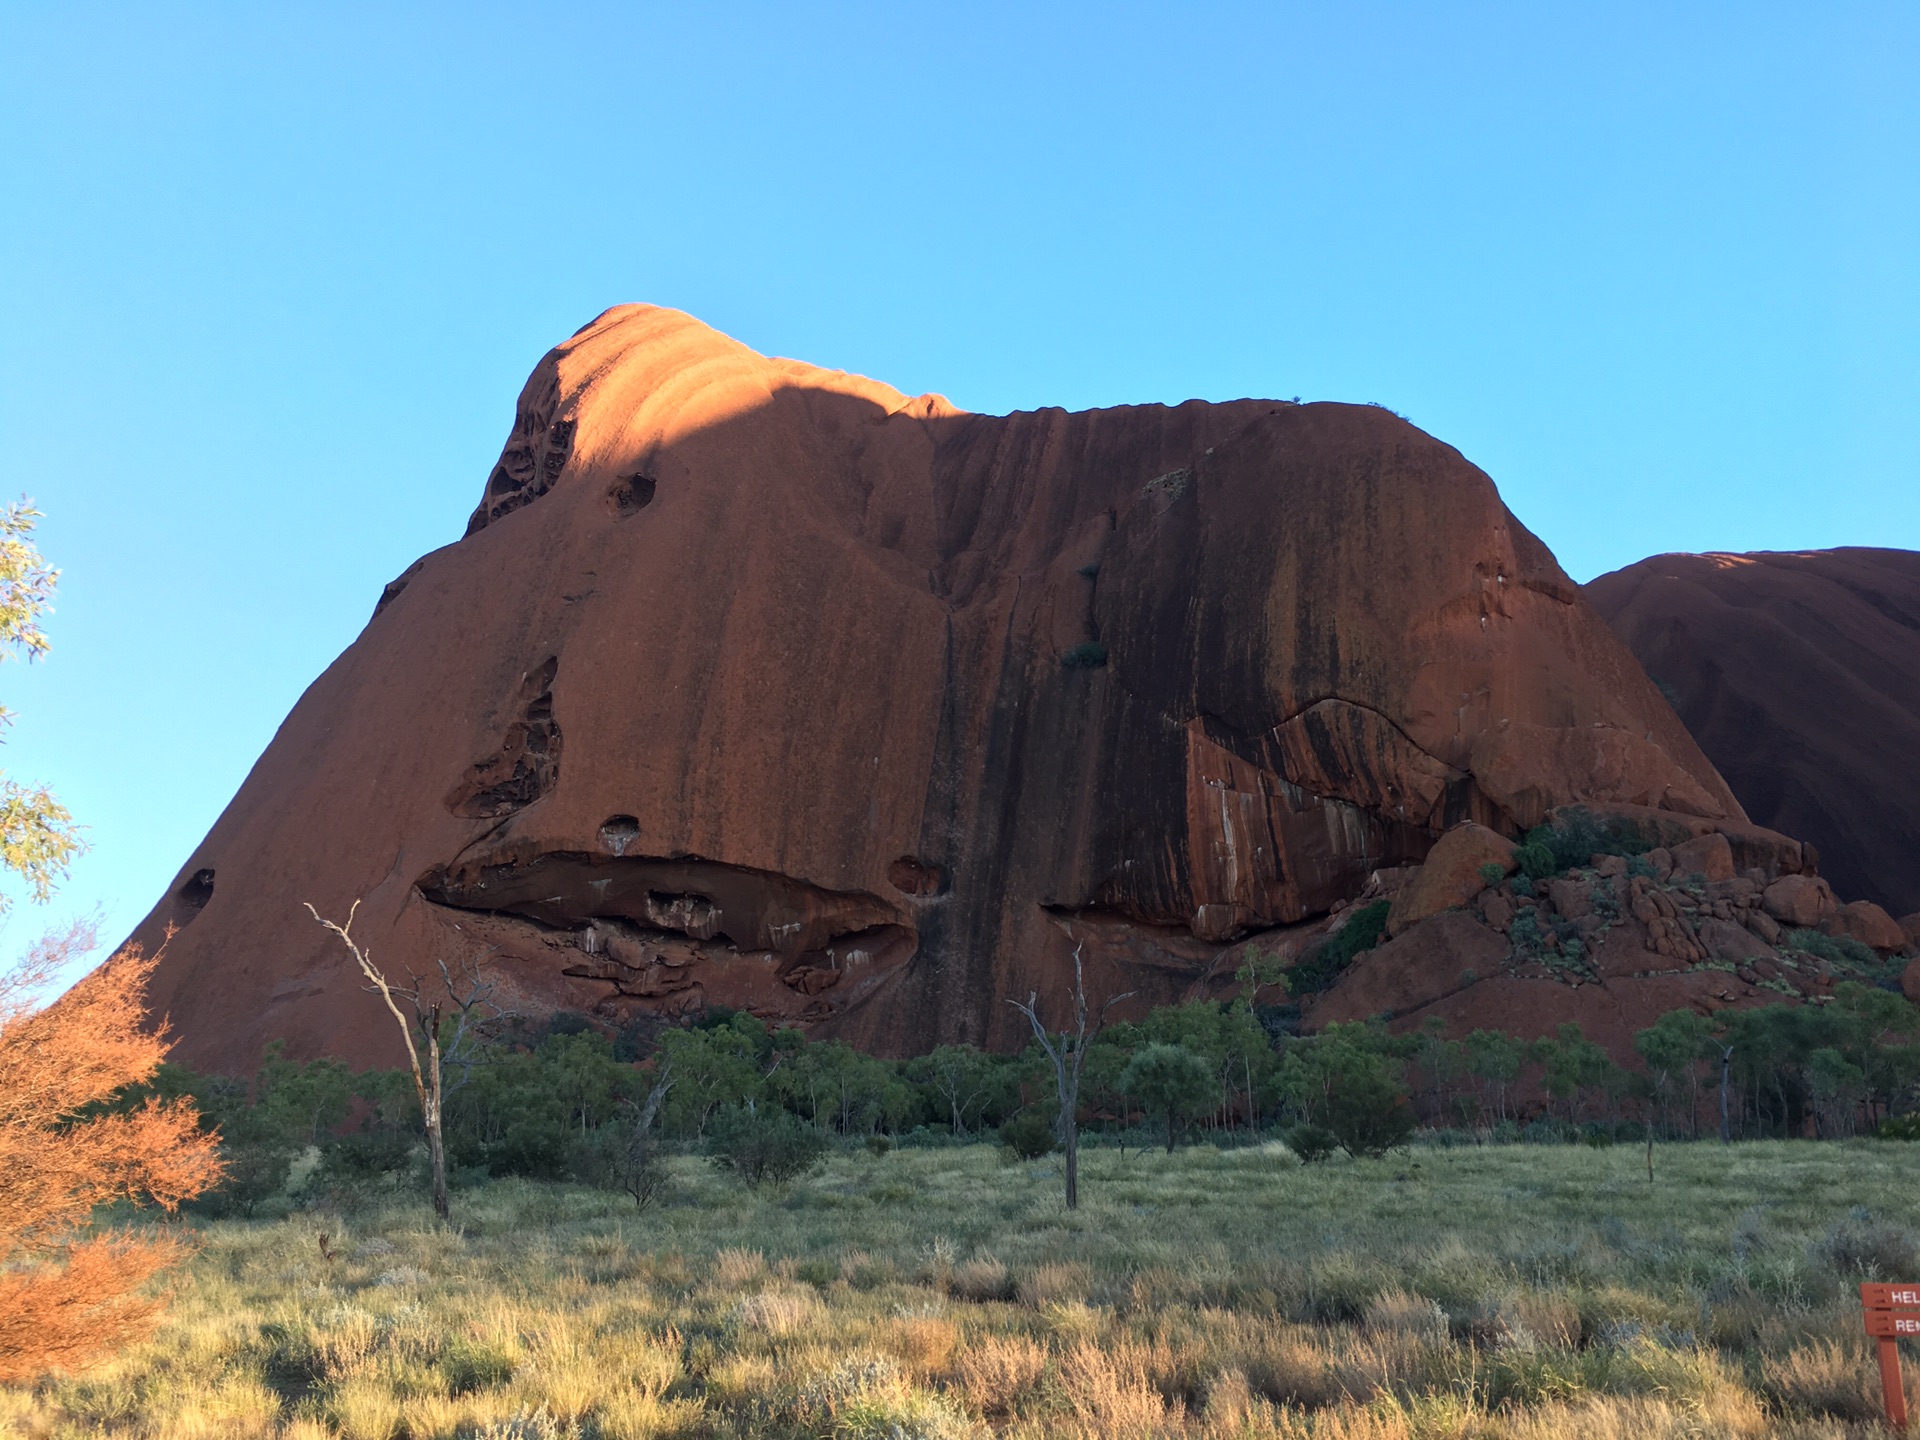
1655 918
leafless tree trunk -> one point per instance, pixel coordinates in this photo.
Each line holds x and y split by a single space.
640 1173
1726 1066
1068 1052
428 1073
1253 1112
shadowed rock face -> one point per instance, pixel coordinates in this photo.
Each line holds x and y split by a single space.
1800 676
757 684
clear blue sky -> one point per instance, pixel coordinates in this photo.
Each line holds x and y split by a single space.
271 277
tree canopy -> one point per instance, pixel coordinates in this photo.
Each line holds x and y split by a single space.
38 839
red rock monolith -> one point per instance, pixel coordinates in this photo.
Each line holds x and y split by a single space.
1799 673
768 686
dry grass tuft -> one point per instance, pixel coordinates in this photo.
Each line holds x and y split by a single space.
777 1312
1053 1284
736 1269
996 1373
925 1343
1110 1392
1829 1377
983 1279
1395 1312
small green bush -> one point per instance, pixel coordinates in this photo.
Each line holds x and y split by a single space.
1834 949
1861 1247
1492 873
1090 656
616 1157
1573 839
766 1146
1171 1080
1371 1116
1899 1127
1029 1135
1312 1143
364 1154
471 1367
1535 857
1323 964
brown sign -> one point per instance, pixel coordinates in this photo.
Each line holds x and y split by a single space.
1891 1311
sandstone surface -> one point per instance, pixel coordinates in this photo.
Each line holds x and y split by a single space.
1709 856
1866 922
1453 873
1802 901
763 685
1799 673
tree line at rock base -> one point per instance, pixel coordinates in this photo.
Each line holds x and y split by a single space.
565 1100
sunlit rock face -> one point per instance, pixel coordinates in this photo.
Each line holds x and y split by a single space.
767 686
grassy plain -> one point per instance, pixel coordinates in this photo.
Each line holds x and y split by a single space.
1514 1291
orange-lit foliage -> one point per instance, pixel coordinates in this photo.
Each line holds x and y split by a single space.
64 1295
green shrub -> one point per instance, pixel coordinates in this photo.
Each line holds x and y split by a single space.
1029 1135
470 1366
1834 949
1371 1117
1535 858
258 1156
1492 873
1323 964
1345 1080
1090 656
616 1156
1573 839
1525 930
1171 1080
1311 1143
366 1154
1863 1248
1899 1127
765 1146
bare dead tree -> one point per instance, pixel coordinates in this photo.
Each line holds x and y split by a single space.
641 1175
426 1054
1068 1052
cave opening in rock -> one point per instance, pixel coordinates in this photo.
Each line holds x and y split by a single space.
197 891
631 493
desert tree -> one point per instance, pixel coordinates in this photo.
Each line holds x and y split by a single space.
38 838
965 1079
1676 1042
1172 1080
641 1173
1067 1050
431 1049
67 1295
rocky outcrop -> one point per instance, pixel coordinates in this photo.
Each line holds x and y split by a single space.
768 686
1866 922
1458 868
1799 674
1614 941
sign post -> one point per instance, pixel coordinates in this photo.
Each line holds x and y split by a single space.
1892 1311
